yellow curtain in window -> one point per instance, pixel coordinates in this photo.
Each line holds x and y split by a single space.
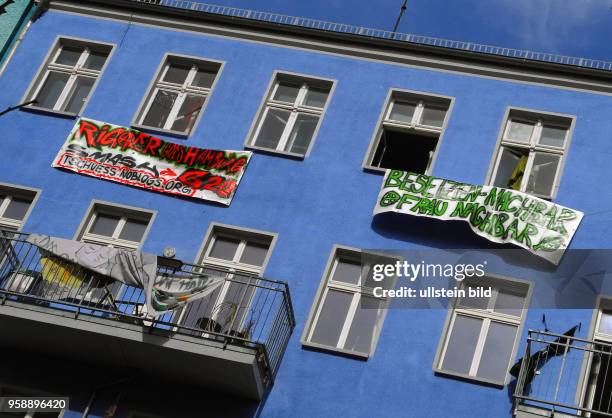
517 175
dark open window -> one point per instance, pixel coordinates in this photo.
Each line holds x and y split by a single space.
409 133
408 151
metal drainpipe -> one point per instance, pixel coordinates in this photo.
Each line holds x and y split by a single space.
92 398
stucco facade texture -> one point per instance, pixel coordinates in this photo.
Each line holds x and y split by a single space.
312 204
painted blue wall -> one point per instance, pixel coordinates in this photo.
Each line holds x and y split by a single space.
313 204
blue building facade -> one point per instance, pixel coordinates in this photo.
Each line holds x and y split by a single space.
308 203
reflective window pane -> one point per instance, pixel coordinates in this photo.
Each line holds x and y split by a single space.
17 208
543 172
51 90
133 230
433 116
272 128
316 97
497 351
69 55
509 303
204 78
364 325
104 225
254 253
95 60
303 131
160 109
79 94
511 168
347 271
605 323
331 318
462 344
188 113
177 73
402 112
286 93
553 136
520 131
224 248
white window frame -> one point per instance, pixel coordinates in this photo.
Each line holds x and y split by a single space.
158 83
114 209
358 290
235 266
538 120
420 100
488 315
296 108
49 65
584 393
11 191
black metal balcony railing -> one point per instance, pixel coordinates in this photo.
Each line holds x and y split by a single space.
275 18
245 310
566 376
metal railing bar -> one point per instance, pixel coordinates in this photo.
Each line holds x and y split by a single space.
322 25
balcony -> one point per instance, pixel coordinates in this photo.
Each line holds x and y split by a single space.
232 340
564 376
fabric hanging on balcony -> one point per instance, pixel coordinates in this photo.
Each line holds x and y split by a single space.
73 268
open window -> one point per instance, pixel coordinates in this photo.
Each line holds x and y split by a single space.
531 153
408 135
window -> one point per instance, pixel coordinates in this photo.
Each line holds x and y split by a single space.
67 78
531 152
239 255
409 133
597 393
482 333
177 97
116 226
15 205
346 317
292 113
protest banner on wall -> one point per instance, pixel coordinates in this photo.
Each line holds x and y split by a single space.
497 214
128 156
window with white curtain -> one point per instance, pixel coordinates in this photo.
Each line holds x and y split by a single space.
178 95
290 118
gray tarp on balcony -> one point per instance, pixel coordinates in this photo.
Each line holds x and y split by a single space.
134 268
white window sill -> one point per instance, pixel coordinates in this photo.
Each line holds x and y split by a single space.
270 151
334 350
470 379
44 110
168 132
